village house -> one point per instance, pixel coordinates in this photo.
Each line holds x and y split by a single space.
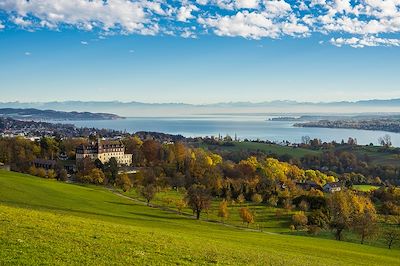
332 187
104 150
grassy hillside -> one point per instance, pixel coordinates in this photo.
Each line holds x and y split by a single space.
267 148
48 222
376 155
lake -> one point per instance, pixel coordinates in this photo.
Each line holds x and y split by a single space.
244 126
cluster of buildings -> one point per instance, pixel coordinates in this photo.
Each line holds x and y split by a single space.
330 187
104 150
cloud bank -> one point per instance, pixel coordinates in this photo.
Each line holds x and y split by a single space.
355 23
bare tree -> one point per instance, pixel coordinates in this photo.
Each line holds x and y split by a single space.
385 141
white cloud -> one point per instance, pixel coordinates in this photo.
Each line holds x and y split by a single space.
129 16
20 21
27 53
84 43
365 22
185 12
253 25
252 4
368 41
188 33
277 7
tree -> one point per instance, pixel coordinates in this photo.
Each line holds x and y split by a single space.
198 198
304 206
41 172
124 182
148 192
97 176
241 198
246 215
341 211
385 141
51 174
305 140
32 170
223 211
84 166
256 198
299 220
63 175
151 150
365 219
391 235
112 169
180 204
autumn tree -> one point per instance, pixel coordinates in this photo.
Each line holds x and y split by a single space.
32 170
246 215
51 174
256 198
299 220
223 211
97 176
198 198
63 175
365 218
151 150
148 192
180 205
241 198
84 166
41 172
124 182
341 212
112 169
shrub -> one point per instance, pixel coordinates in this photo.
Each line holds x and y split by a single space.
41 172
299 220
273 201
246 215
303 205
313 229
241 198
51 174
256 198
180 205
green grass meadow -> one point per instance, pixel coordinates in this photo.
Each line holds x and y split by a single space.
51 223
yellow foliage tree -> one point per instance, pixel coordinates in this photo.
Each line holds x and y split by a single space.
246 215
223 211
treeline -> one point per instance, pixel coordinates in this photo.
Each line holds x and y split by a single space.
337 159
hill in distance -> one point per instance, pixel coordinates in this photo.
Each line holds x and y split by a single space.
137 109
36 114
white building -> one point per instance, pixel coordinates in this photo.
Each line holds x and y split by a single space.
104 150
332 187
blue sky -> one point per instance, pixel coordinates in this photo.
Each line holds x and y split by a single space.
199 51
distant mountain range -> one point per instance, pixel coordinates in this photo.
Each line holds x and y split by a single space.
137 109
36 114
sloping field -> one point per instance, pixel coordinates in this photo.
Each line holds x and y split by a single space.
47 222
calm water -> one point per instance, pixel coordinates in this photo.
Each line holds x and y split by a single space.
251 127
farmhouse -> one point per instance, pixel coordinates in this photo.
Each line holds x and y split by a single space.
332 187
104 150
